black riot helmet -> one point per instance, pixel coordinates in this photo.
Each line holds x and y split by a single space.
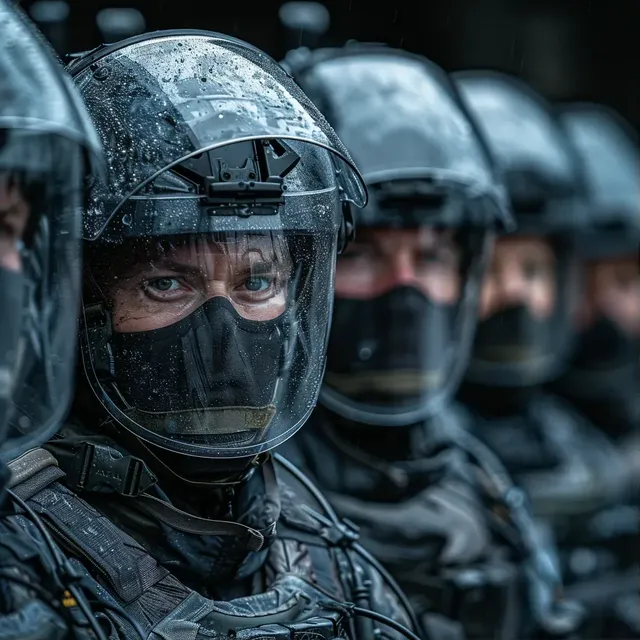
400 340
529 296
608 150
605 364
211 253
46 148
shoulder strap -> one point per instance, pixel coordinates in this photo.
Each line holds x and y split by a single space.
32 471
81 530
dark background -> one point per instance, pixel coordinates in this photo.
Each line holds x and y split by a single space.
568 49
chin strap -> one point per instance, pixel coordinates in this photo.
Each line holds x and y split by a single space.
166 473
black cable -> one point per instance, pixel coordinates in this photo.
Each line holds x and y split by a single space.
46 597
35 519
358 548
389 622
63 567
363 553
361 594
44 594
123 614
79 596
352 610
354 546
75 591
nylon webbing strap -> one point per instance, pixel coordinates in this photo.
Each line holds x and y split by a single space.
189 523
84 532
27 489
28 465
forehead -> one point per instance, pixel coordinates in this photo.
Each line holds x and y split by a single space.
190 250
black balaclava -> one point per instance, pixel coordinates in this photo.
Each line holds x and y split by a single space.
218 345
512 334
604 379
389 355
605 345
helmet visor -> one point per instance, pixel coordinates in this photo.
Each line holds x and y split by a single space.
210 340
403 321
48 192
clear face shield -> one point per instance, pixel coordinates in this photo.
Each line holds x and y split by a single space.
205 324
404 314
40 202
606 359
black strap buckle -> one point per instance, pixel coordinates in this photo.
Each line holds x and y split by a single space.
105 470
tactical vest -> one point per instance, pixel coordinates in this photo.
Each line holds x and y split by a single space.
464 545
306 599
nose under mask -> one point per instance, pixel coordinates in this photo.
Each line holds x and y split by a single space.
605 345
214 372
513 335
389 349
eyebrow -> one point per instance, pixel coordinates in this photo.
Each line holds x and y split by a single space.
161 263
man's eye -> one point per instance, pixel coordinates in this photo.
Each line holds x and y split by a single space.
164 284
257 284
430 257
533 270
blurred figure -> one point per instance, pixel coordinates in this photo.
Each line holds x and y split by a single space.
52 18
385 443
528 312
304 23
603 377
118 23
47 146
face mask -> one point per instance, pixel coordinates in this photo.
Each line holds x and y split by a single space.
12 287
603 377
512 336
389 349
214 372
605 345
